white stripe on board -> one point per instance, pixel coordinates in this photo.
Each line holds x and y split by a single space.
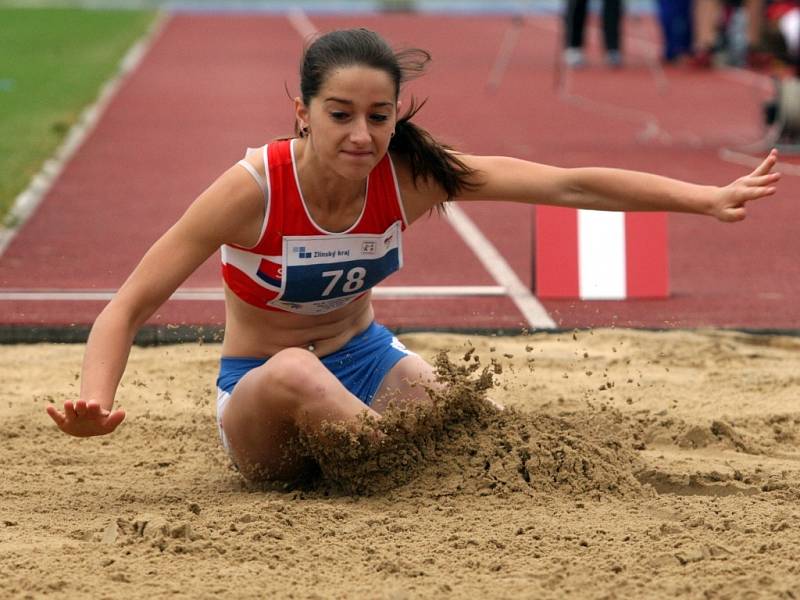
30 198
492 260
601 255
216 294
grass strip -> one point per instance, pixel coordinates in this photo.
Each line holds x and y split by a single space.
53 63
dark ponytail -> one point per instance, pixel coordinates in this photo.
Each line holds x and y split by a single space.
428 159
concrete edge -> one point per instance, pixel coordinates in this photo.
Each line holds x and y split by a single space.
161 335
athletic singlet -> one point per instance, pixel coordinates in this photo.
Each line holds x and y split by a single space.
297 266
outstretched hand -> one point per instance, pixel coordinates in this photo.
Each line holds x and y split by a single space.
85 419
729 206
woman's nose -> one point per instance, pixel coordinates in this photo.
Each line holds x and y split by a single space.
360 132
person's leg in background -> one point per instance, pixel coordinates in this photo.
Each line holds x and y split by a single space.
612 22
757 57
707 15
676 24
574 24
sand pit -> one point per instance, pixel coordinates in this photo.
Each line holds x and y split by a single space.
627 464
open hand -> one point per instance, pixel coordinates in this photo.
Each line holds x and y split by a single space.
729 206
85 419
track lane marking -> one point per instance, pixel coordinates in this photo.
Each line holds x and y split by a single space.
533 311
217 294
748 160
302 24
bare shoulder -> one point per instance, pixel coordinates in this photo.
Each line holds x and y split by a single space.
255 157
230 211
418 196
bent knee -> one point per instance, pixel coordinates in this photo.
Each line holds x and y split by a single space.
288 373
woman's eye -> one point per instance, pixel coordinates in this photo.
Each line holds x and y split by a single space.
339 116
379 118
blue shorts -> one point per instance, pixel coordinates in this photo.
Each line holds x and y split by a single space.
360 365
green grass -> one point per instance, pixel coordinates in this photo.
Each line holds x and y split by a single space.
53 63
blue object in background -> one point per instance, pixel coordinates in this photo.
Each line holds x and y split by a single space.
676 22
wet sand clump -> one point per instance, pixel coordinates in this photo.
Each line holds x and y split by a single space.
488 449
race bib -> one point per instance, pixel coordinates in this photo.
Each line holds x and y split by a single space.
325 272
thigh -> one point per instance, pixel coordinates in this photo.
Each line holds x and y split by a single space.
259 433
269 406
406 382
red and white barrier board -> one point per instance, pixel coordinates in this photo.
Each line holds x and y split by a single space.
598 255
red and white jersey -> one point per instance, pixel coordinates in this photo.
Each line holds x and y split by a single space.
296 265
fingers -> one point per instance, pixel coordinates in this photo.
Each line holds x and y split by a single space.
114 419
80 408
69 411
769 162
763 180
738 214
755 193
56 416
82 419
753 187
732 215
93 410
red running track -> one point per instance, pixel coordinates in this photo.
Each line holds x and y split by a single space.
211 85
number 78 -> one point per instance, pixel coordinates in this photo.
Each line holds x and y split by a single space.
354 280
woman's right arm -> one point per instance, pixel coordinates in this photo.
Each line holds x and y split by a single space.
229 211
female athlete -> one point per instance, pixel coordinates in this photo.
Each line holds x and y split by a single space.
307 226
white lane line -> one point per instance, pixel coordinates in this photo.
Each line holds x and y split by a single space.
29 199
216 294
503 274
748 160
302 24
505 52
434 291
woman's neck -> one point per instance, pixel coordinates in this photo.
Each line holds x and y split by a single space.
325 191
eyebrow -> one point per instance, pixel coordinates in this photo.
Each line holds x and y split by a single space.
350 102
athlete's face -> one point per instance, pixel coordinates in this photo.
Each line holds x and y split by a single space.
351 120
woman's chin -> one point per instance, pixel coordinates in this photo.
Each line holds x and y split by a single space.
355 172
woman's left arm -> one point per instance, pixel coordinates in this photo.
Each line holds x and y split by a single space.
596 188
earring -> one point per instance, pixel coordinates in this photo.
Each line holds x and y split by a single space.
304 130
391 135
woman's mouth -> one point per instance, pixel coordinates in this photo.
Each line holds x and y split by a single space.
357 153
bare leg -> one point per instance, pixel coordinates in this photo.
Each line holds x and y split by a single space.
293 391
406 382
706 23
755 19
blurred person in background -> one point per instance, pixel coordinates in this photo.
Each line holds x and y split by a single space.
782 30
575 24
675 17
713 20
